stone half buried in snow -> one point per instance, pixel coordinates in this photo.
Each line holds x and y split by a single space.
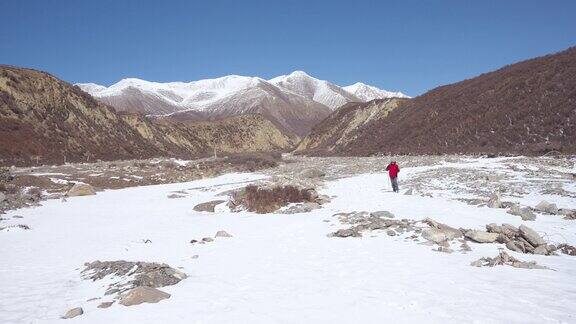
81 189
439 232
208 206
495 200
504 259
312 174
525 213
223 234
481 236
141 295
531 236
547 207
73 313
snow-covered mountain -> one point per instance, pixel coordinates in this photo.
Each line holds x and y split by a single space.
366 92
296 102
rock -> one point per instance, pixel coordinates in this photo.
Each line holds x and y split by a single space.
73 313
531 236
525 213
409 192
207 239
504 259
348 232
542 250
567 249
391 233
105 304
81 189
175 196
2 197
494 228
382 213
464 247
477 263
481 236
509 230
449 232
495 201
323 199
208 206
301 208
434 235
312 174
141 295
222 234
192 241
547 207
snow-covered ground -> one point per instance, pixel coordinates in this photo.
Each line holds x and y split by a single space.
279 268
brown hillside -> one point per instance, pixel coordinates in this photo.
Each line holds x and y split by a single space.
524 108
46 120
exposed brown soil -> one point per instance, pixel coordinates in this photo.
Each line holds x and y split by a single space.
524 108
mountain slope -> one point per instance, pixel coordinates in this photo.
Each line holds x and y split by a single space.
47 120
320 91
524 108
344 125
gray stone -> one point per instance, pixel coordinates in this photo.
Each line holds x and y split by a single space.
542 250
207 239
531 236
73 313
347 232
223 234
312 174
391 233
105 304
409 192
382 213
208 206
481 236
434 235
81 189
141 295
495 201
547 207
525 213
2 197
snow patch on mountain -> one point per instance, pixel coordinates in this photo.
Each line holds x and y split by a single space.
368 92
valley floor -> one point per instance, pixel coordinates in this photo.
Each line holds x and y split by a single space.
280 268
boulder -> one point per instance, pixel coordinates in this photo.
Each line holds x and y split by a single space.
141 295
434 235
495 201
382 213
208 206
481 236
391 233
542 250
222 234
531 236
105 304
73 313
81 189
510 245
547 207
509 230
525 213
449 232
312 174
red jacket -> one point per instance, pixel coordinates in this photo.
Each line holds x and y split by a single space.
393 170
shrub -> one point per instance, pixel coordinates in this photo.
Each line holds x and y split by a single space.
266 200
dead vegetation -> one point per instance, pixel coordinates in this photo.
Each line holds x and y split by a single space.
266 200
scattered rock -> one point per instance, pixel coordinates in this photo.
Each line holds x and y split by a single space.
192 241
301 208
105 304
382 213
141 295
147 274
208 206
222 234
542 250
567 249
73 313
81 189
531 236
409 192
391 233
547 207
207 239
175 196
525 213
504 259
346 232
481 236
495 200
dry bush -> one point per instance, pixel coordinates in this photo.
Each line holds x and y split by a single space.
267 200
254 161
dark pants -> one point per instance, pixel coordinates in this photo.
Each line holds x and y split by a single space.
394 182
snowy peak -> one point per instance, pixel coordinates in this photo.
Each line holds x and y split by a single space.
367 92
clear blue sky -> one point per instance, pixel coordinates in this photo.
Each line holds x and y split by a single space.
412 46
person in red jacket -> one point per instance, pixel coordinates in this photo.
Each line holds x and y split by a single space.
393 171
